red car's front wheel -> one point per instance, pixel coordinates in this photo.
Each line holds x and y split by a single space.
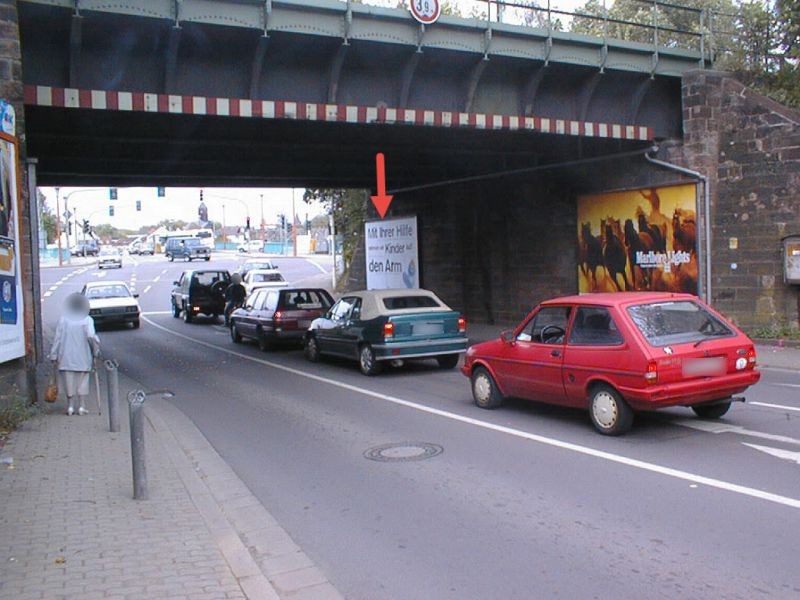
484 389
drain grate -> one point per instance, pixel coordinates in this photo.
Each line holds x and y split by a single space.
403 452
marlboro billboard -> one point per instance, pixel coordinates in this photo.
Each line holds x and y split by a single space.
643 239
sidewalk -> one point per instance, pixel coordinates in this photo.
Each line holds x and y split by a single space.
771 357
71 530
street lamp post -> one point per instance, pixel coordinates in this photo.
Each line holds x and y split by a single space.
58 224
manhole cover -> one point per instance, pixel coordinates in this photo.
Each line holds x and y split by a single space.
403 452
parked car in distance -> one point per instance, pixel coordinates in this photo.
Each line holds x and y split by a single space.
112 302
188 249
271 316
617 354
199 292
87 248
109 257
262 278
388 325
251 246
256 263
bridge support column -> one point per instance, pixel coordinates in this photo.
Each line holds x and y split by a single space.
18 377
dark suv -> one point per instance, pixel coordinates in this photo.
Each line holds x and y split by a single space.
200 292
187 249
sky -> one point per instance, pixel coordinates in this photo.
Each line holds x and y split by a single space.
180 204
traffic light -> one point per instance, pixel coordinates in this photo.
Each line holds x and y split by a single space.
112 193
283 221
289 228
69 227
110 211
139 205
248 224
162 192
86 226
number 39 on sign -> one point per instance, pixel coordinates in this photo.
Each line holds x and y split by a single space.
425 11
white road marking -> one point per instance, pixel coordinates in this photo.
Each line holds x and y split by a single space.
779 406
778 452
147 289
156 278
52 288
789 385
47 294
609 456
156 312
717 427
319 266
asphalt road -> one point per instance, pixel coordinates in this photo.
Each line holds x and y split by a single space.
524 502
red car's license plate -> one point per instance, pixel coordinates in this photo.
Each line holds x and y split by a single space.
698 367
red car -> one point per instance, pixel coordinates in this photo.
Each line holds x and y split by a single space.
617 354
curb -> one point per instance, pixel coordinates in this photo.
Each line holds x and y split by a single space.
260 553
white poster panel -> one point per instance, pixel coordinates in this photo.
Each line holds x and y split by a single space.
391 253
12 331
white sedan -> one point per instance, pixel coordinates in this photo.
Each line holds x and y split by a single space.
109 257
251 246
112 302
263 278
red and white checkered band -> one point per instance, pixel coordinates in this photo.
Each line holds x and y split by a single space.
37 95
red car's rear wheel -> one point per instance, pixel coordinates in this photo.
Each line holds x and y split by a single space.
610 414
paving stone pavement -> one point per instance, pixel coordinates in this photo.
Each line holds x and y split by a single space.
70 530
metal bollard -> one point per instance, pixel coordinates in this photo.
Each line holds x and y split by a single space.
136 411
112 379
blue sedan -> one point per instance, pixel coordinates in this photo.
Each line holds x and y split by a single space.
376 326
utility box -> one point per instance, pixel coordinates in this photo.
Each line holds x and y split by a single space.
791 259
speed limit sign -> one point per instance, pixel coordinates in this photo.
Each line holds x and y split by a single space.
425 11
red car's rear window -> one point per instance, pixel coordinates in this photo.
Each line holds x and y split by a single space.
678 322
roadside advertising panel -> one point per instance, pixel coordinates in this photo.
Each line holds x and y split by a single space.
391 254
12 330
643 239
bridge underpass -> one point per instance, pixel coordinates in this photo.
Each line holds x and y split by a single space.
115 97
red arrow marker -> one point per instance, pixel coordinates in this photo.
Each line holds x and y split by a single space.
381 201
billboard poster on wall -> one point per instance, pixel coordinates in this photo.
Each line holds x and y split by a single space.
391 254
643 239
12 332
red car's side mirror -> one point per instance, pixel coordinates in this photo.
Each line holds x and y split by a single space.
507 336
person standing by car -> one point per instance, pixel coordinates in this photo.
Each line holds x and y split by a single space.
74 347
235 294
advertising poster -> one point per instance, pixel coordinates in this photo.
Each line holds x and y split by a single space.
391 253
12 333
638 240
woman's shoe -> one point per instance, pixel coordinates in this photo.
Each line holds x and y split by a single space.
83 411
70 411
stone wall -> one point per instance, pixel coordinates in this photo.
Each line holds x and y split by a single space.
17 378
749 147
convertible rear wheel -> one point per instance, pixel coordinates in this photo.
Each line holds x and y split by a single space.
610 414
367 361
484 389
448 361
311 349
235 335
264 342
711 411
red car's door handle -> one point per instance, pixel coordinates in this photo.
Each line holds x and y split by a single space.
555 353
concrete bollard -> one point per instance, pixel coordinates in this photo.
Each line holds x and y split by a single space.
112 380
136 412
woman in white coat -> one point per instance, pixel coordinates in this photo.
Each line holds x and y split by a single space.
74 348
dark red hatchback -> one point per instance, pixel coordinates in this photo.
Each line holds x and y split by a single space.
617 354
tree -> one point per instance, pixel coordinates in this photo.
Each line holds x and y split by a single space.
349 208
47 218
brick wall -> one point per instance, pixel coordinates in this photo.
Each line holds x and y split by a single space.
17 378
749 147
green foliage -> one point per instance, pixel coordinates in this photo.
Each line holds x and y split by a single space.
784 332
14 412
349 208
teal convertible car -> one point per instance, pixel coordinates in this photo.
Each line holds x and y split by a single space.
376 326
